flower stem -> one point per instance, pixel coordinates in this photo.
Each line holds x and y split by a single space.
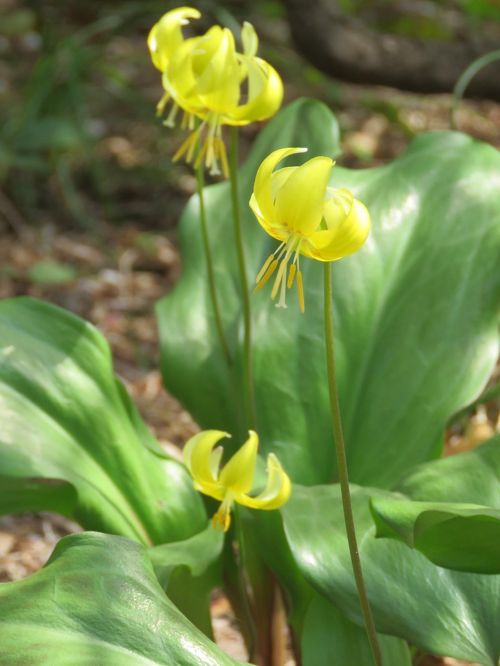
342 469
243 584
247 331
210 266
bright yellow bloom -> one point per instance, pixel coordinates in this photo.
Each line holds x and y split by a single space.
210 80
296 206
234 481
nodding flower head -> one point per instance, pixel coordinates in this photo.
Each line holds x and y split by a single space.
213 84
234 481
296 206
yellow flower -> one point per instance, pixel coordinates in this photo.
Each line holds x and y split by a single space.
210 80
234 481
296 206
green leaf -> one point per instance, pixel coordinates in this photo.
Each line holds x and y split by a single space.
416 309
436 521
97 601
465 537
472 477
440 611
330 639
188 571
326 636
51 272
36 494
66 417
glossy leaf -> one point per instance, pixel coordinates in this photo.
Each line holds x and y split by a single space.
465 537
440 611
97 601
66 417
330 639
188 571
416 309
325 635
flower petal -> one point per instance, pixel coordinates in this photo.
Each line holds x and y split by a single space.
237 475
249 39
197 455
345 235
280 233
218 84
265 93
276 492
299 203
262 201
165 36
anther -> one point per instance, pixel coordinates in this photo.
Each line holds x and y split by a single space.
266 275
300 291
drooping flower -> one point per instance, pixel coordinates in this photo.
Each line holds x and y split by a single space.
234 481
296 206
211 81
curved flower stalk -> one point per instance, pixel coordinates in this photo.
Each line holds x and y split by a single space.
296 206
234 481
209 80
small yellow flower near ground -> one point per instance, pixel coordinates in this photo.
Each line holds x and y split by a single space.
210 80
234 481
296 206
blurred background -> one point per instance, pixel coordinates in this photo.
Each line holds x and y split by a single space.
89 197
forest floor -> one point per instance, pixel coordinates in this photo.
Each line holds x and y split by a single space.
113 271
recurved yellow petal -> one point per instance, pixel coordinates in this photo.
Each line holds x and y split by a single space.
265 93
249 39
276 492
237 475
299 203
165 36
345 234
219 83
263 200
201 462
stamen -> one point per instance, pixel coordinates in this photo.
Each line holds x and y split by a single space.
300 292
279 277
186 146
291 275
170 121
267 275
223 157
160 107
282 302
222 518
264 268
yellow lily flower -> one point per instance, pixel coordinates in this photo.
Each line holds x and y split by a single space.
234 481
210 80
296 206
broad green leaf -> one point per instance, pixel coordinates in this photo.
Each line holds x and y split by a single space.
416 309
330 639
188 571
65 416
439 610
97 601
36 494
472 477
326 636
437 523
465 537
